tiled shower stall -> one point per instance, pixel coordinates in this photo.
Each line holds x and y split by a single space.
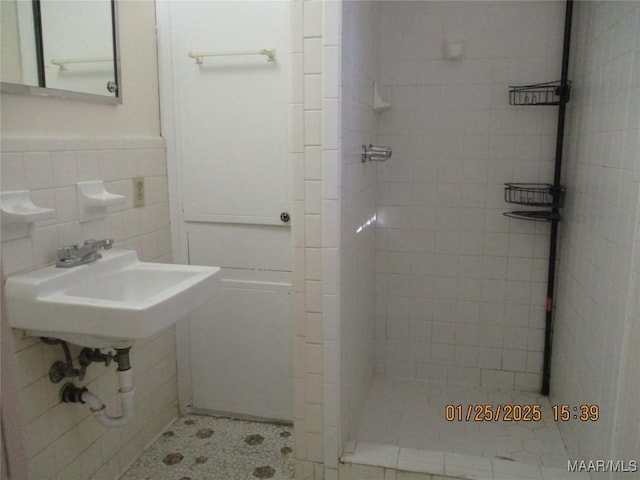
438 289
460 287
453 290
410 289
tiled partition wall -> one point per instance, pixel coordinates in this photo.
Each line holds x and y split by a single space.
596 354
461 288
360 22
315 231
306 235
64 440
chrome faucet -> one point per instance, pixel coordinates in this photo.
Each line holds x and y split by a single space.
73 255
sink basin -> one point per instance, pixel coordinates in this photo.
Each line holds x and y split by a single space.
113 301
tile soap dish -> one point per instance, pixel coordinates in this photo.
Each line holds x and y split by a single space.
19 213
379 105
93 200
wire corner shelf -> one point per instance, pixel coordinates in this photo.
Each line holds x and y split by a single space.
534 194
535 215
540 94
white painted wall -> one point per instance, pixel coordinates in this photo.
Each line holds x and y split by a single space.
595 350
460 288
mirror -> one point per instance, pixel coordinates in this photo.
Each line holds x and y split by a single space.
61 48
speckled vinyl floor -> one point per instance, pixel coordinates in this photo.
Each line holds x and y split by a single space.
199 447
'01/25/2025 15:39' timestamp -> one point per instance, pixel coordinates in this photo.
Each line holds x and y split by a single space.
519 413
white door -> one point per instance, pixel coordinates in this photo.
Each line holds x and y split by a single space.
225 121
231 110
244 366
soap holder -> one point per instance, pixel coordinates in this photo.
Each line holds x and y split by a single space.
19 213
93 200
379 105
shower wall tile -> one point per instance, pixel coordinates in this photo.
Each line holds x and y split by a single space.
445 253
357 210
65 441
595 348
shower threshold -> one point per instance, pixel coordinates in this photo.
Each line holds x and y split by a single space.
425 428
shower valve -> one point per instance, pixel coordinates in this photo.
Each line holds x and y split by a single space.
375 153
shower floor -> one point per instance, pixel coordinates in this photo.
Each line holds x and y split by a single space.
198 447
403 426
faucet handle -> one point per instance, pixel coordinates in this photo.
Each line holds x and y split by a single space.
94 244
67 252
72 255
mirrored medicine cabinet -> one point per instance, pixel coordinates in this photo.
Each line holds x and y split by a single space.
63 48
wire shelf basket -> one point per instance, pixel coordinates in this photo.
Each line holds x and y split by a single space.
534 194
535 215
550 93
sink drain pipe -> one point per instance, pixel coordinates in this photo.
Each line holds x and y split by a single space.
72 394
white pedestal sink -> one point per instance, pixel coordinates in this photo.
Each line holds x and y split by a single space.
113 301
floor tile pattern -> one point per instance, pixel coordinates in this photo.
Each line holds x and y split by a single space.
199 447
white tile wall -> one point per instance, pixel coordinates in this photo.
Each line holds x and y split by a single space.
357 208
461 288
459 273
63 440
595 352
309 239
331 260
316 28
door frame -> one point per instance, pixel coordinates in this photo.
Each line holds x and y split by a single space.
169 124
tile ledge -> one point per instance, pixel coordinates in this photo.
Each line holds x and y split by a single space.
463 467
24 143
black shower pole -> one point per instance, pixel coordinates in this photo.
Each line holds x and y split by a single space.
557 191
